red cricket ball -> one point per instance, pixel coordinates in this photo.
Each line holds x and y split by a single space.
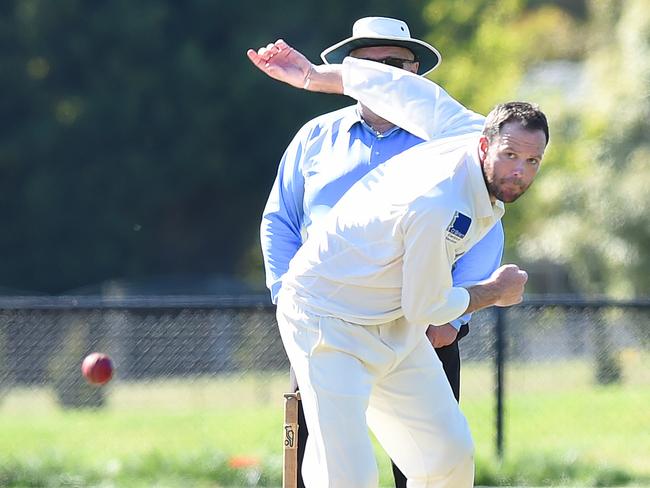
97 368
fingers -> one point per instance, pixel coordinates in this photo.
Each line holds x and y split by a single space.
441 336
524 275
511 281
268 51
263 55
256 59
281 62
271 49
511 272
252 55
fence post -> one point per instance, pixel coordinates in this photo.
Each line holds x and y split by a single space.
500 358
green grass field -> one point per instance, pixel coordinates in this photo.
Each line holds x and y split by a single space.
561 430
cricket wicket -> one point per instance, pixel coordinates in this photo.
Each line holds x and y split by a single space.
290 454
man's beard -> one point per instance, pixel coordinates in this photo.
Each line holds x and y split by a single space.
506 189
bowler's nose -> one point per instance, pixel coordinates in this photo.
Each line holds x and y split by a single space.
518 167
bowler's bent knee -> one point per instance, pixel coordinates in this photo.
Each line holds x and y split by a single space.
460 476
453 470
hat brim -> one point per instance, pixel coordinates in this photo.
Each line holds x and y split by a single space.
427 55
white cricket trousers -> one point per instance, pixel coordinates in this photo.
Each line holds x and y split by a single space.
385 377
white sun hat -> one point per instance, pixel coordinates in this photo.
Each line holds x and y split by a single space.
383 31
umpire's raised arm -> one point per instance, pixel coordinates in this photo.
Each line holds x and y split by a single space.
408 100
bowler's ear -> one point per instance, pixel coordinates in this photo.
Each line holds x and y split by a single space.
483 145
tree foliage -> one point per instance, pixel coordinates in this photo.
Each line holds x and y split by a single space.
487 45
593 211
137 141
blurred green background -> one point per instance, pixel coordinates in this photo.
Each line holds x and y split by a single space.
138 144
137 149
219 432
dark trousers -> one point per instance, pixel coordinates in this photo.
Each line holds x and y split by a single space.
450 359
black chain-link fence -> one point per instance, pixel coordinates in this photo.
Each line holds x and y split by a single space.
539 360
43 341
561 349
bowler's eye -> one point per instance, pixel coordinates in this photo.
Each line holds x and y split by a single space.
533 161
511 155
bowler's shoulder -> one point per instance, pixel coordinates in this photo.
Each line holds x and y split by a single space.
433 162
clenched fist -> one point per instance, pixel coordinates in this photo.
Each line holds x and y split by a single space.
509 281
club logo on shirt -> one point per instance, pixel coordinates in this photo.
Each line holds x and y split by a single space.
458 227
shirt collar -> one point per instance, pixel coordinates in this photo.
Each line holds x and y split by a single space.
354 117
351 118
483 205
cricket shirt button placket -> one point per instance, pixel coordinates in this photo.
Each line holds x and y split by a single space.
374 150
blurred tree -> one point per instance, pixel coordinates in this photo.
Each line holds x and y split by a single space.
597 212
577 8
136 139
489 50
488 45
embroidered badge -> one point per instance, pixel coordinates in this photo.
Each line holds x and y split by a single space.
458 227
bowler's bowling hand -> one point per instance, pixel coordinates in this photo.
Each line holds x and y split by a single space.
441 335
282 62
510 282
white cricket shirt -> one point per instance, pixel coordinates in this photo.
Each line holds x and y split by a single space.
386 249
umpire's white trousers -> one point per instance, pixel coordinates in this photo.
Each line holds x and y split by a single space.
387 377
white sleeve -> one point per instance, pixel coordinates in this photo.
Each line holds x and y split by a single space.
428 295
409 101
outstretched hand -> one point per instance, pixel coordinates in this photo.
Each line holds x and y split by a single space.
282 62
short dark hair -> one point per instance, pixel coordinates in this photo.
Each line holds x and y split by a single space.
529 116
